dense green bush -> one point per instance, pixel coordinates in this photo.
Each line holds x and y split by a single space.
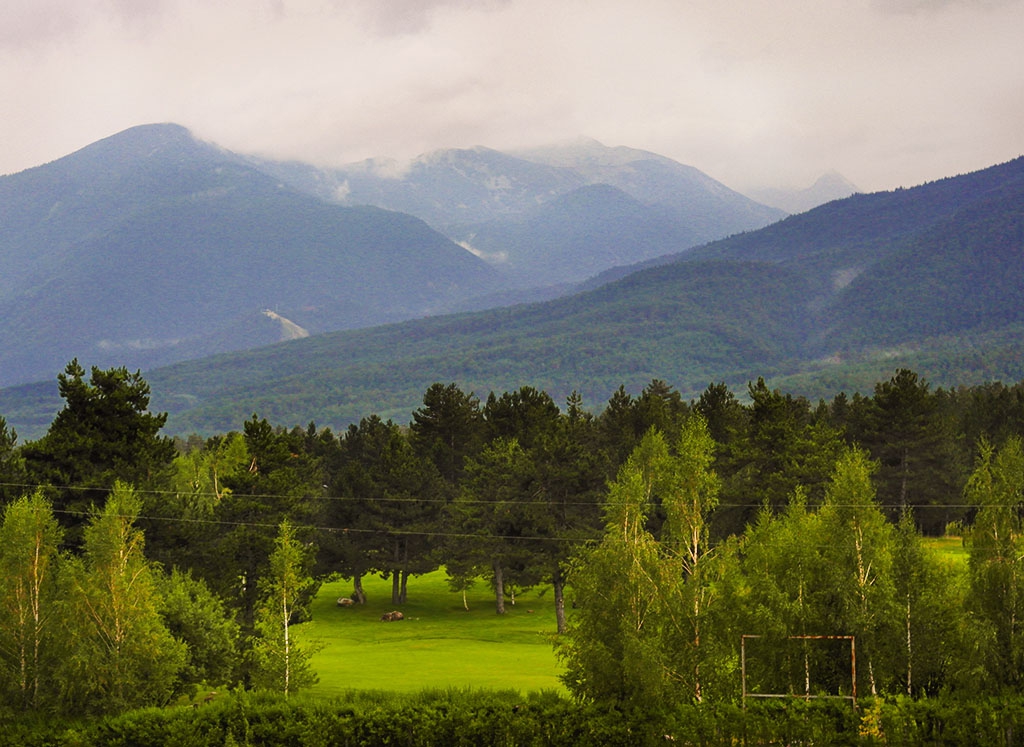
508 718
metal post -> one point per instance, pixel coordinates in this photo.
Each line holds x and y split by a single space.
743 667
853 668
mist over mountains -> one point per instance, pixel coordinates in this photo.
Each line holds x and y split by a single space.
121 252
828 187
150 246
562 213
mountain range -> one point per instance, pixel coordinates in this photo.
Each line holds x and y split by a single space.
562 213
834 298
151 247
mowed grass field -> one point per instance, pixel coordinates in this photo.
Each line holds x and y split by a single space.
438 645
441 645
950 549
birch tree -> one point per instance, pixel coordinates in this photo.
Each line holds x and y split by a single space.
857 551
926 592
642 633
996 548
689 498
281 664
612 648
119 653
782 563
29 537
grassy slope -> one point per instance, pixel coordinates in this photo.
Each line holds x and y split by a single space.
438 645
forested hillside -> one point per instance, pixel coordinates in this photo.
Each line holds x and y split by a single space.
831 300
708 518
150 247
828 300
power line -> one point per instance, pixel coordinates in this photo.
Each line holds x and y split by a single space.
334 530
584 539
215 497
579 539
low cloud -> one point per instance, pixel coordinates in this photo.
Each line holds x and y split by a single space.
755 94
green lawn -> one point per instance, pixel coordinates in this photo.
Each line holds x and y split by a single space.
438 644
950 549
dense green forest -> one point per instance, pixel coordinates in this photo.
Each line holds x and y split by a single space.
137 567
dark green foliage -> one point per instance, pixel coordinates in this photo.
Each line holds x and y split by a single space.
280 482
571 479
455 719
906 430
769 449
199 619
993 411
385 502
498 518
448 428
105 433
661 407
527 415
12 465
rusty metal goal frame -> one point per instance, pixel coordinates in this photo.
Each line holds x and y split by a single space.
852 697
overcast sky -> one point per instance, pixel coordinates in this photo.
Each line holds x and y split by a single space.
755 93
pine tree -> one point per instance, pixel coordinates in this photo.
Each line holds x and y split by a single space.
104 433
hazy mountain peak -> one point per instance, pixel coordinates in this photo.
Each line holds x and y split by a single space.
381 167
828 187
586 151
146 142
455 156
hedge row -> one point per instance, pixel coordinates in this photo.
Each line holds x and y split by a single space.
507 718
